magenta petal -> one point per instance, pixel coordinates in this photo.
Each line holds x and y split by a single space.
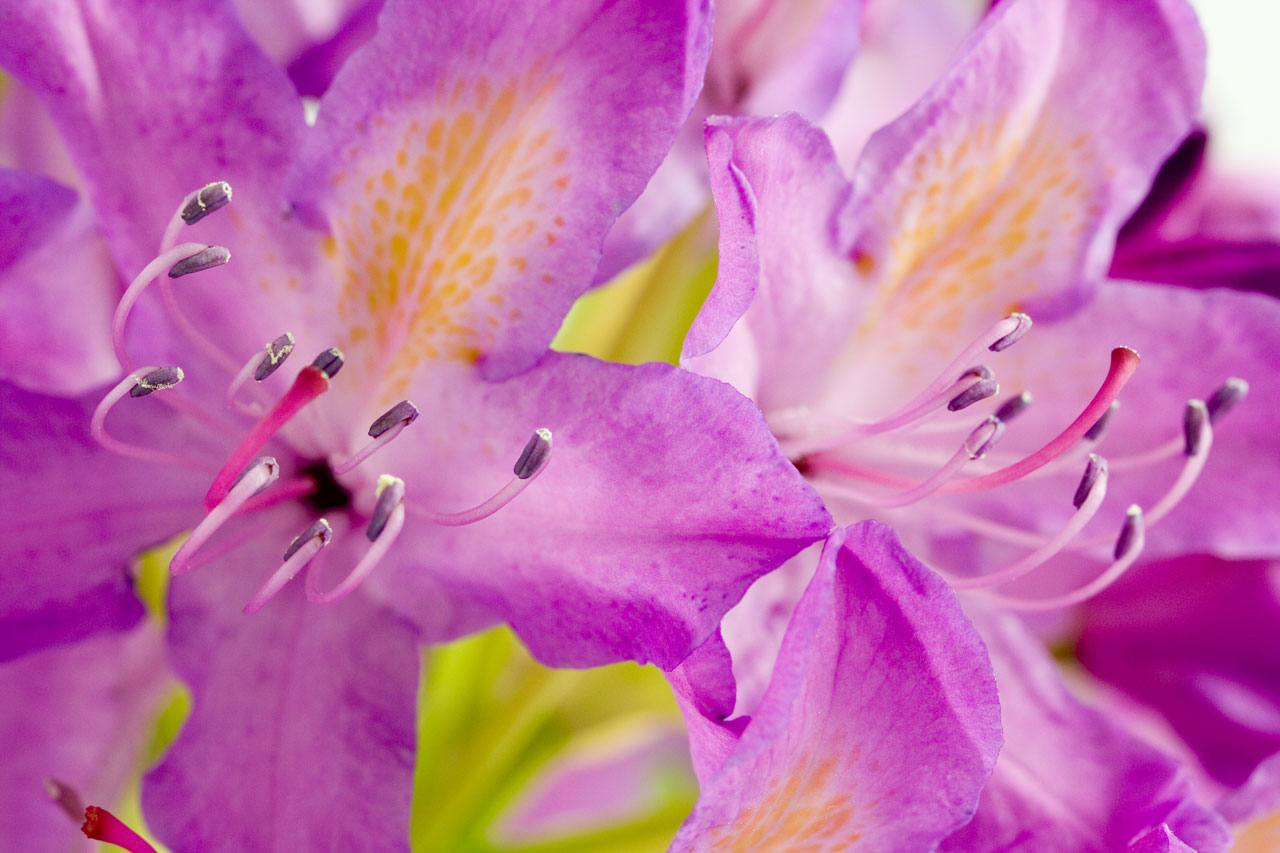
154 101
664 498
1070 778
79 714
704 689
74 515
1198 639
301 734
1159 840
880 725
500 141
57 289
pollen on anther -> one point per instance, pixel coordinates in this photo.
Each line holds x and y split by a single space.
390 495
206 200
329 362
276 353
157 380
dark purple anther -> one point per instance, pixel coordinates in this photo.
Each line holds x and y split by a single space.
210 198
1100 425
207 258
389 498
1224 399
157 380
1024 326
1130 532
984 437
318 529
403 412
329 362
1194 419
975 393
1093 469
277 351
535 454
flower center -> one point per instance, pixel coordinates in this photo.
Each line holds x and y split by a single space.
245 482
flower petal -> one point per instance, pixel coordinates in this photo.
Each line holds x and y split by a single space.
78 714
664 498
57 289
470 159
74 516
301 734
879 669
1069 778
1206 661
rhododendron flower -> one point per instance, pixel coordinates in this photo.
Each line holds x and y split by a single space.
425 237
877 320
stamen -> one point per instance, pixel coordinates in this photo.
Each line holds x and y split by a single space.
384 429
257 476
384 528
1014 406
1094 433
205 259
150 379
1124 362
310 383
1194 421
300 552
204 201
532 462
1129 545
977 392
134 290
101 825
259 368
1088 498
1198 430
1019 331
1225 398
156 380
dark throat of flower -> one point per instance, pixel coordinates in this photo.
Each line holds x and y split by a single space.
922 423
246 481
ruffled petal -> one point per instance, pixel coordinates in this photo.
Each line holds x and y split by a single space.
57 289
1069 778
301 734
879 669
664 498
470 159
75 515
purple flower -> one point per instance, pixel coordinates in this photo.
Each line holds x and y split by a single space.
425 237
877 322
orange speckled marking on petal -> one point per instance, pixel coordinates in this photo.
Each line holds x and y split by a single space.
445 201
811 807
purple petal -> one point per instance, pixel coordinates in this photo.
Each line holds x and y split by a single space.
704 689
1196 638
79 714
74 516
664 498
880 725
1069 778
154 101
311 38
301 734
57 289
499 141
1171 185
1159 840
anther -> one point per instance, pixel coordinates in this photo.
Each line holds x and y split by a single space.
330 362
1132 532
1023 325
301 551
978 391
382 431
255 477
1093 469
276 353
65 797
1194 420
1014 406
156 380
401 414
207 258
206 200
979 371
101 825
390 495
1100 426
129 385
1225 398
535 454
984 437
